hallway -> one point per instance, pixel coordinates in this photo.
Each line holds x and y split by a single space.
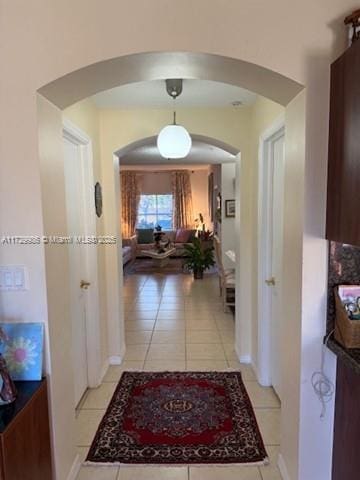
176 323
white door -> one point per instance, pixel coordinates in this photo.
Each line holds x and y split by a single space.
270 248
277 160
75 195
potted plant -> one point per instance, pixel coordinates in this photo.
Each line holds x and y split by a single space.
198 258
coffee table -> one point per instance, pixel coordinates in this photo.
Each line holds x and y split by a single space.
160 259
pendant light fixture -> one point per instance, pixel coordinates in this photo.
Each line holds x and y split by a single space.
174 140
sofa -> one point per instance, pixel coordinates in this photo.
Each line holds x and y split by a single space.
128 249
145 241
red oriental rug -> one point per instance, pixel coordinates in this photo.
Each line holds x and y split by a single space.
177 418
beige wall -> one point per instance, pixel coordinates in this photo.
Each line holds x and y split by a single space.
58 324
41 41
199 187
85 116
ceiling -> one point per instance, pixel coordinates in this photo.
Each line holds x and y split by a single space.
201 153
152 94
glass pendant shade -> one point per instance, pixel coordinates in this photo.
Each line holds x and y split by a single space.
174 142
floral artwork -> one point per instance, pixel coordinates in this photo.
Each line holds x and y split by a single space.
23 351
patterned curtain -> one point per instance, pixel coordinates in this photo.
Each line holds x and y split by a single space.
130 196
182 200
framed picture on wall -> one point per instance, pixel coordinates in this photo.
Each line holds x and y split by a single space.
229 208
98 199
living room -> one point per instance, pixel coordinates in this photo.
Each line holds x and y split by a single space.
159 196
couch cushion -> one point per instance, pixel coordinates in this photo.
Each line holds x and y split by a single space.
169 235
183 235
126 250
145 235
144 246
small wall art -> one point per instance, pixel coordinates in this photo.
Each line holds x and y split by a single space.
229 208
98 199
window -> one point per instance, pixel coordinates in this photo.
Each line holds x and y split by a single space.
155 210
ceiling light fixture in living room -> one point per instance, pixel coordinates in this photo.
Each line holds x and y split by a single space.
174 140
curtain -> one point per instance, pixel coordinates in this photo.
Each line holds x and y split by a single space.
130 197
182 200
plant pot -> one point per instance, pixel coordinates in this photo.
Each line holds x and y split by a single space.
198 274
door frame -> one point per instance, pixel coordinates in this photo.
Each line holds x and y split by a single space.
76 136
265 201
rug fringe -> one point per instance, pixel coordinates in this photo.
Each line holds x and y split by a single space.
136 370
262 463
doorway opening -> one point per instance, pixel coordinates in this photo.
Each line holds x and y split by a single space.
57 93
168 314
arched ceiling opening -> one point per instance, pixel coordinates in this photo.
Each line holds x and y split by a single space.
204 151
107 74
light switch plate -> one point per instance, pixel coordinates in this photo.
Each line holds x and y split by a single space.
13 278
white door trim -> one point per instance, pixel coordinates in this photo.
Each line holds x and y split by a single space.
76 136
265 199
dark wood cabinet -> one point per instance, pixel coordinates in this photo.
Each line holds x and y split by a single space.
346 458
343 197
25 436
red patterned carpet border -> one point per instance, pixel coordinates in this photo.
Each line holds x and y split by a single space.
177 418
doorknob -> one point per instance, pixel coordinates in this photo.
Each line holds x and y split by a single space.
84 285
270 282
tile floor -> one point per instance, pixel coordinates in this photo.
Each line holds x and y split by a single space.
175 323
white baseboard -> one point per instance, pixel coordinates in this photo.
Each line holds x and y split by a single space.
282 468
104 370
115 360
244 359
254 367
75 468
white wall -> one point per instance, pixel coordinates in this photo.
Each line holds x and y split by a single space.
228 238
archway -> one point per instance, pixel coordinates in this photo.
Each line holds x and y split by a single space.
98 77
214 152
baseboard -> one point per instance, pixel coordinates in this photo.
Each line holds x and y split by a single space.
75 468
282 467
254 367
104 370
115 360
244 359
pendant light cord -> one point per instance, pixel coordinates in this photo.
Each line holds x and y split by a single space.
174 98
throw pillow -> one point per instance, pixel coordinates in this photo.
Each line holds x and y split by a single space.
145 235
182 235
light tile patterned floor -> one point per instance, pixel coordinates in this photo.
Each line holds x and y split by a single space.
176 323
